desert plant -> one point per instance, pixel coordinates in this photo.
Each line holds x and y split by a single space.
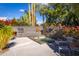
5 35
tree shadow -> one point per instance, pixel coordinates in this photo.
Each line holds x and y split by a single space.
7 47
10 45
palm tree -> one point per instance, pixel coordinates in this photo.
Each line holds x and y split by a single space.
33 14
29 12
41 9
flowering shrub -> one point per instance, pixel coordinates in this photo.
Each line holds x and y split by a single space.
71 31
7 22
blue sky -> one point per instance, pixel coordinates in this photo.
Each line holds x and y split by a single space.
11 10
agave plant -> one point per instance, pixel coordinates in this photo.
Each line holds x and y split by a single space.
5 35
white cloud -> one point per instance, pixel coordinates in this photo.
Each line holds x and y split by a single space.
21 10
3 18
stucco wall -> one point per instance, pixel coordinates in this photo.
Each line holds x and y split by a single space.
23 31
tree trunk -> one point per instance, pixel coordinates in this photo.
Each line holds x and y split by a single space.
30 13
33 15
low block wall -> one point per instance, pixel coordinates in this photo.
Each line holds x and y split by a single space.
23 31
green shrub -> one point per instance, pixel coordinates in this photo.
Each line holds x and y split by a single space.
1 25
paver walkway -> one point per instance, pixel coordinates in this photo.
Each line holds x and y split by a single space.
26 47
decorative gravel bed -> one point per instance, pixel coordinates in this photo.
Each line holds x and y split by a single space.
41 39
